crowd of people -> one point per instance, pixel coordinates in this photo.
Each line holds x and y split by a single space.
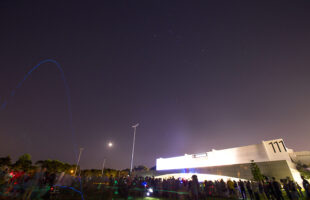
26 185
42 184
173 188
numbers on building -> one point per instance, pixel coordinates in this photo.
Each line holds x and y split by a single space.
272 147
276 144
283 145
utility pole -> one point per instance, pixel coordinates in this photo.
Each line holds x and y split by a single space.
102 167
78 161
133 145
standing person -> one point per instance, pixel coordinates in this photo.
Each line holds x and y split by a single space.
277 189
51 179
223 189
238 194
217 188
250 191
255 189
111 181
293 189
299 190
206 189
242 189
231 187
306 186
268 189
261 189
286 188
194 187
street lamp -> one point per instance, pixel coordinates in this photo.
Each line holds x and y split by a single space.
78 161
110 144
133 145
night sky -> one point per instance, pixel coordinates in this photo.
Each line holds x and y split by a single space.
196 76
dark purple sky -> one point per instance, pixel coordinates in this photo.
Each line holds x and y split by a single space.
195 75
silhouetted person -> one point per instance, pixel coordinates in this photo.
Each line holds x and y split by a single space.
194 187
250 191
299 190
277 189
306 186
255 189
261 189
286 188
242 189
293 189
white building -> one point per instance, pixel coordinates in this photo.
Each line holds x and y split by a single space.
273 158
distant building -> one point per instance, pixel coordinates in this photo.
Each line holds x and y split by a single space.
273 158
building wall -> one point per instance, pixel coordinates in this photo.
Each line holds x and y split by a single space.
272 156
278 169
265 151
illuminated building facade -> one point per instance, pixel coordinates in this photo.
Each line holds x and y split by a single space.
273 158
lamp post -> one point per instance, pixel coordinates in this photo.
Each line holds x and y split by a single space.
110 145
133 145
102 167
78 161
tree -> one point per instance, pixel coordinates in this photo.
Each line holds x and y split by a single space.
303 170
91 172
257 175
140 168
24 162
55 166
5 161
125 172
110 172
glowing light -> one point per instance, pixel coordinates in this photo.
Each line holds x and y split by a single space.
150 190
144 184
110 144
147 194
71 171
213 158
201 177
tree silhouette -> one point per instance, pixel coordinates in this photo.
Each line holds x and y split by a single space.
303 169
257 175
140 168
55 165
24 162
5 161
